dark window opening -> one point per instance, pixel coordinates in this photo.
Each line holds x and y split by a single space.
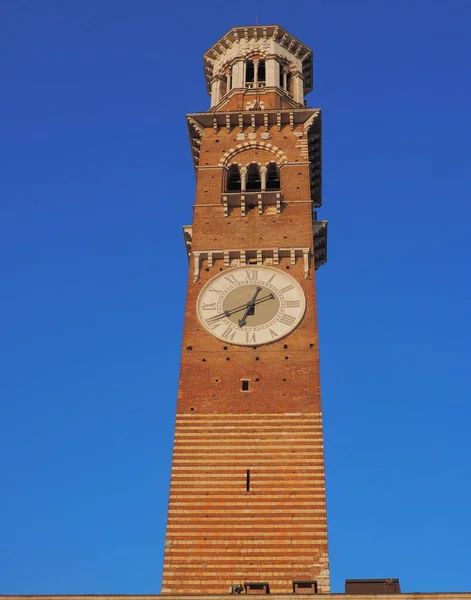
261 71
281 76
254 183
233 179
304 587
256 588
249 71
273 177
245 385
247 481
288 82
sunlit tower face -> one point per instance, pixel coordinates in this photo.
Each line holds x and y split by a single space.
247 498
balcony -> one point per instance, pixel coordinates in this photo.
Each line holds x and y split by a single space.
251 85
263 201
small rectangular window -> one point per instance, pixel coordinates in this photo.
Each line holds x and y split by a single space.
304 587
247 481
256 588
245 385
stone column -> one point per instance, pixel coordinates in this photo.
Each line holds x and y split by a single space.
255 73
263 178
285 79
243 179
215 91
298 88
238 73
272 72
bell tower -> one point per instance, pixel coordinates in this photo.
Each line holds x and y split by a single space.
247 509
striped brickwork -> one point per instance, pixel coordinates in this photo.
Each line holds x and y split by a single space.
218 533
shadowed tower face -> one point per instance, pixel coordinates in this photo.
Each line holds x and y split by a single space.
247 497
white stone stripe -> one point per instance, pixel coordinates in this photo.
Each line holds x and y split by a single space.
255 422
248 526
222 415
273 465
267 443
253 456
247 503
248 510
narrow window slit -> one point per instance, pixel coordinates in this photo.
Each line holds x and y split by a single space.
247 481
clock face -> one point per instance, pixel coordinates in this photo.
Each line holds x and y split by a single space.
250 306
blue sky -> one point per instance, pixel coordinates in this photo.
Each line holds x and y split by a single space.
96 181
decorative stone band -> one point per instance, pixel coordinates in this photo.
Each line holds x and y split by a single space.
246 199
236 258
241 257
251 125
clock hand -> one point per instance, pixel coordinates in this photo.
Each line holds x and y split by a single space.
250 307
228 313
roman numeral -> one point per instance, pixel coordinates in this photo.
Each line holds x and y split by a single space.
273 333
272 277
287 319
293 303
211 289
230 278
210 306
251 275
250 337
287 289
213 323
229 334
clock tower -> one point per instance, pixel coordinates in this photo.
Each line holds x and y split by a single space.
247 508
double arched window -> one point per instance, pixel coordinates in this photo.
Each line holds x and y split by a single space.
253 178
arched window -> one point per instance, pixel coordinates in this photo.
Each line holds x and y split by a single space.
233 179
273 177
254 183
249 73
261 73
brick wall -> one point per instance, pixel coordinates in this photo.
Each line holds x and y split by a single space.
220 533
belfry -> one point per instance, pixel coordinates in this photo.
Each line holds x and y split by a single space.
247 507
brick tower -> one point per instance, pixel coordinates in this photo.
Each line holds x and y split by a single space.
247 506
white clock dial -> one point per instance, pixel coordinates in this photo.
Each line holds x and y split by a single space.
252 305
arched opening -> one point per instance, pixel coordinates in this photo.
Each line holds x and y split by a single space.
254 183
249 73
233 179
261 73
273 177
285 78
